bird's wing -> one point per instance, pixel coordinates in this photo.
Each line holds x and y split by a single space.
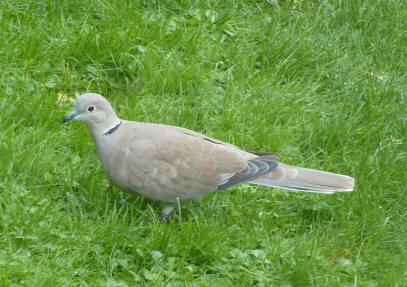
165 163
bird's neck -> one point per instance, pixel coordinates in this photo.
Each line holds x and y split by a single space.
106 140
113 128
103 127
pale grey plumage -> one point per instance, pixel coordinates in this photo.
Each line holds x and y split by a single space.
170 163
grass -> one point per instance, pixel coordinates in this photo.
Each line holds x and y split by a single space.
322 83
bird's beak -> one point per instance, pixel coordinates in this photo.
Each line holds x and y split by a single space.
70 117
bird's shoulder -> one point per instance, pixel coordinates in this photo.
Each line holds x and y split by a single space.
180 147
153 131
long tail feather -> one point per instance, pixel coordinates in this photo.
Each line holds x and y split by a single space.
305 179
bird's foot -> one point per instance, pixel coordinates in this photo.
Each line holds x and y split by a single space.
168 212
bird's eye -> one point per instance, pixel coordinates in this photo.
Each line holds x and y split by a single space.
91 108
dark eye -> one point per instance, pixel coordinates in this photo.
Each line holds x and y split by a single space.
91 108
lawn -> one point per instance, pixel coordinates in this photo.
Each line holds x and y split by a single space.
322 83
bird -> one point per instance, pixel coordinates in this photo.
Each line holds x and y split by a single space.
172 164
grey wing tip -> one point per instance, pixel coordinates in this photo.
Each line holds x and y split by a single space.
272 156
256 167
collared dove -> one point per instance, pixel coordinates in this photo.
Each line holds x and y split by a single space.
173 164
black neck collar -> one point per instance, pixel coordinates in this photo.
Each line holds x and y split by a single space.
113 129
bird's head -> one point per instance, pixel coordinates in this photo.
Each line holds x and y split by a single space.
94 111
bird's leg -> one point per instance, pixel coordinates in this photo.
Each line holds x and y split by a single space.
169 211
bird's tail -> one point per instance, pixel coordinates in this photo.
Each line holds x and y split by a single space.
304 179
